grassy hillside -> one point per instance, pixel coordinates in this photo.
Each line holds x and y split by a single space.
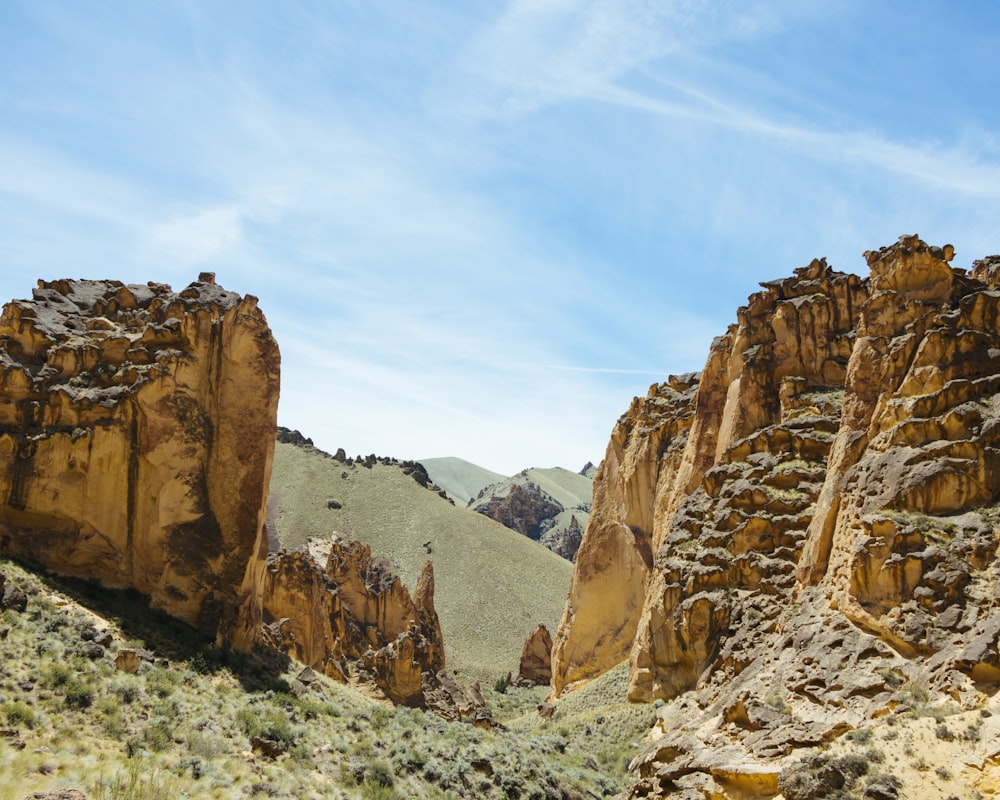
493 586
461 479
182 725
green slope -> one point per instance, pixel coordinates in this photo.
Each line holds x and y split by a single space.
461 479
493 586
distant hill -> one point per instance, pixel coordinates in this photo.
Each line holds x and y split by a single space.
493 586
461 479
549 505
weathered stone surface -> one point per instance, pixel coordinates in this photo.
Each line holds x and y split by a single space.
127 660
536 658
136 437
353 609
819 523
453 701
11 595
615 559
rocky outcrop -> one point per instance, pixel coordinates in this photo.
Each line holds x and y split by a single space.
353 619
756 456
137 432
536 658
781 546
11 595
523 508
564 539
136 437
546 505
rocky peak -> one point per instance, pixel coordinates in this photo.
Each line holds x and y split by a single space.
354 620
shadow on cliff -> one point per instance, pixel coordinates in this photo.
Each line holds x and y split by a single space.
169 638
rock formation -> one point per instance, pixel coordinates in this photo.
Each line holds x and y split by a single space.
524 508
353 608
779 544
546 505
536 658
355 615
615 558
137 432
11 595
136 438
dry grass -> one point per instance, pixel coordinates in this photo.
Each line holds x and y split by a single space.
596 718
493 586
182 725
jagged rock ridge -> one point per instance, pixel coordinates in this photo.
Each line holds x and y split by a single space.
813 518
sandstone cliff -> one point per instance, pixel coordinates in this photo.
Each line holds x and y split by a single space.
355 609
813 520
136 438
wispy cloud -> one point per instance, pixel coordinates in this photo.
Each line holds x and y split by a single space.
474 233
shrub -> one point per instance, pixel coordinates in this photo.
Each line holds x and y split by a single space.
379 773
56 675
18 714
860 735
140 781
162 681
79 694
267 723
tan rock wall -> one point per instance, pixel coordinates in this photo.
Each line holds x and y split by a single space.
353 608
615 556
828 534
136 438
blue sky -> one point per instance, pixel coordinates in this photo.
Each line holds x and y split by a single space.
478 229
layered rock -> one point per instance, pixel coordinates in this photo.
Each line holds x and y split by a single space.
137 432
136 438
904 538
738 515
615 559
810 526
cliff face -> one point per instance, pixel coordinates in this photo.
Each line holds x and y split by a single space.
615 558
813 520
136 438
